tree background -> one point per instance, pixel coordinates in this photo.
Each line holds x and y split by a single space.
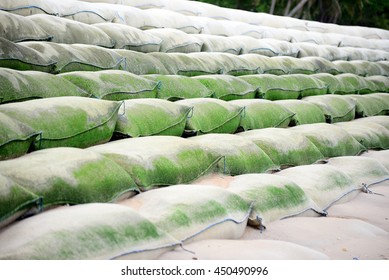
372 13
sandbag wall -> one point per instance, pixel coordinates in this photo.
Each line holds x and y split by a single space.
118 118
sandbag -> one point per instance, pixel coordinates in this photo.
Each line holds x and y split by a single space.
15 201
142 63
293 65
364 171
381 82
18 86
130 38
381 156
69 176
212 116
336 84
274 198
16 28
66 121
323 65
194 212
214 43
241 155
72 32
113 84
15 137
331 53
78 57
267 47
303 112
228 87
370 134
266 65
382 120
371 104
273 87
284 146
174 40
331 140
336 108
176 87
157 161
146 117
362 68
260 113
20 57
90 231
361 85
324 184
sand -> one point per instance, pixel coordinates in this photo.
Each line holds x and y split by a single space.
358 229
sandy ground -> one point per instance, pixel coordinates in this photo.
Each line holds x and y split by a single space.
358 229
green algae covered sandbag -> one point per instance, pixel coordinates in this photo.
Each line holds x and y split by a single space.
323 65
141 63
273 197
157 161
371 104
273 87
240 155
370 134
149 116
15 201
381 82
113 84
293 65
194 212
212 116
176 87
130 38
68 31
335 84
284 147
362 170
77 57
24 85
324 184
16 138
336 108
89 231
360 84
69 176
303 112
260 113
227 87
17 28
20 57
66 121
331 140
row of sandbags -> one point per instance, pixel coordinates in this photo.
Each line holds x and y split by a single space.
200 9
119 85
130 228
63 175
92 13
60 58
42 27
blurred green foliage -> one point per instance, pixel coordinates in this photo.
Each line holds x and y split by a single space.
372 13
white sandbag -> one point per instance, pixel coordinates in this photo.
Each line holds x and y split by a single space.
331 140
19 57
142 63
91 231
194 212
363 170
328 52
381 156
267 46
78 57
322 65
17 28
241 155
324 184
284 146
72 32
274 198
69 176
382 120
130 38
158 161
174 40
214 43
